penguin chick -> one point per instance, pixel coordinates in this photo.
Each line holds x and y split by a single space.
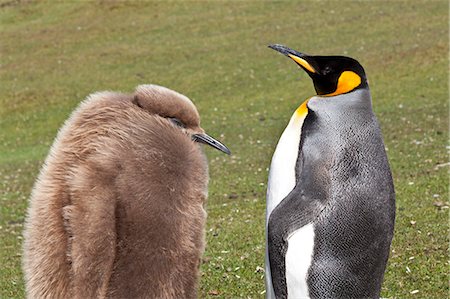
330 198
118 208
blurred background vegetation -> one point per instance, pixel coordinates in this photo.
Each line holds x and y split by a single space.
52 55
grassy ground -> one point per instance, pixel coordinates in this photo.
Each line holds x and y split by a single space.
54 55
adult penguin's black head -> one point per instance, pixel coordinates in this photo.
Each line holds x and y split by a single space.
331 75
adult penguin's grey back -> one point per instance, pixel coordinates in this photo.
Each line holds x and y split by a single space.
354 230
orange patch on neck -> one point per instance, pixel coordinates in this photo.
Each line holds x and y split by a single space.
347 81
302 110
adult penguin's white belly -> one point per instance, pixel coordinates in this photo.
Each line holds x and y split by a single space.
281 183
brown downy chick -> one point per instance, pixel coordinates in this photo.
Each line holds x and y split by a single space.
117 210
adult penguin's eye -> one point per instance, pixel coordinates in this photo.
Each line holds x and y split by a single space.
177 122
327 70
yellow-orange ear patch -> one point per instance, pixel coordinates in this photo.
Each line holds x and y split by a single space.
347 81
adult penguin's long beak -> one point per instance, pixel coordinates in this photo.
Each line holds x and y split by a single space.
303 60
206 139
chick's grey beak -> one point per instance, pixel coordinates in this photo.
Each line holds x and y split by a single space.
206 139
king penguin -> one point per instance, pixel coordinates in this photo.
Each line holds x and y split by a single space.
118 208
330 199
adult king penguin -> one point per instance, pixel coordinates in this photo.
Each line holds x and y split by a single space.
330 198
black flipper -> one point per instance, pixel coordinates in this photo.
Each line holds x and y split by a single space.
294 212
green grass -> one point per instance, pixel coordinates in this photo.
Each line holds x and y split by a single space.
54 55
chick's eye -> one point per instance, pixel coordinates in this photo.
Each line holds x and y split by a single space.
177 122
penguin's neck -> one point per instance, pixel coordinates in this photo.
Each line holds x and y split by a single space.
358 99
282 169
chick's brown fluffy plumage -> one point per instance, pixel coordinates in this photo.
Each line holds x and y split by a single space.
117 210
